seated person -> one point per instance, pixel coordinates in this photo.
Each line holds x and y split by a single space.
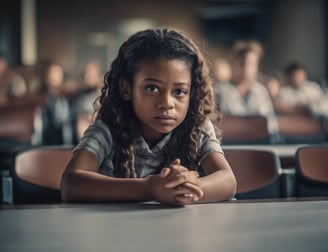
299 95
245 95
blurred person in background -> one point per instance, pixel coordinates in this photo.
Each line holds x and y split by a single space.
245 95
82 103
12 85
222 71
56 114
273 81
88 88
300 95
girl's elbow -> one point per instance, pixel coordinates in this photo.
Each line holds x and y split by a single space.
66 189
233 186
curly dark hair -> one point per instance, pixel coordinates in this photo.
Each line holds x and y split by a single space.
119 116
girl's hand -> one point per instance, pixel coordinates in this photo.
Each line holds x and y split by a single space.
178 175
181 178
179 195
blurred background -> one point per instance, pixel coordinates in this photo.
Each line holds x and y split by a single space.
54 53
75 32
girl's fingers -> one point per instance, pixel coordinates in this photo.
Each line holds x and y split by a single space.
169 171
187 198
189 190
165 172
181 178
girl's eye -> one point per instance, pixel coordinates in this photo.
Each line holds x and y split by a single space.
180 92
152 89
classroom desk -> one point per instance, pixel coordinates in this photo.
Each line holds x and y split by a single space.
142 227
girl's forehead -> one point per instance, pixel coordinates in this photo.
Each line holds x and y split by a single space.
163 63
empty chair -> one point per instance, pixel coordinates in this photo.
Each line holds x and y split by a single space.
244 129
257 172
298 129
36 174
312 171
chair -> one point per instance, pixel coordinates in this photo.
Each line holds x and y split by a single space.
36 174
19 122
20 127
312 171
299 129
257 172
239 130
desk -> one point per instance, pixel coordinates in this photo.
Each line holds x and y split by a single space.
217 227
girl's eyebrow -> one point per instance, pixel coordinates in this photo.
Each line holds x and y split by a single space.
152 79
159 81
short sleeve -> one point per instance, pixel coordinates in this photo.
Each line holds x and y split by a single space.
209 143
98 140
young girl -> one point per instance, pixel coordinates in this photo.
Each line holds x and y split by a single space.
152 138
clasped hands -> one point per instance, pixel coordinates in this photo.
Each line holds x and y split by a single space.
176 185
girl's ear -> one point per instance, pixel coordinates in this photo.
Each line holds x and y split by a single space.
125 90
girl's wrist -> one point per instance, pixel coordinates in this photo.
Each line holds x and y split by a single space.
148 183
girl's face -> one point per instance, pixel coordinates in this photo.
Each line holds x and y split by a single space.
160 96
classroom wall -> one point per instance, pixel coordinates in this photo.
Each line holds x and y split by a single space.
296 29
298 32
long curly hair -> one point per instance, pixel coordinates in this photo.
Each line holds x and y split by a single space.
119 116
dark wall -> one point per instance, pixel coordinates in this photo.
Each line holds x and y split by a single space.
10 31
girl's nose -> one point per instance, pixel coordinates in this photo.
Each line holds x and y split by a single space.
166 102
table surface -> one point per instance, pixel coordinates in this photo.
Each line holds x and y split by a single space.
230 226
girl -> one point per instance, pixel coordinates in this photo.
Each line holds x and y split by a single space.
152 138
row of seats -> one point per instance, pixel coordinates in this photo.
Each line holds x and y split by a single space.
23 122
293 129
22 126
36 173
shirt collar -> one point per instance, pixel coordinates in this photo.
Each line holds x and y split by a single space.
142 144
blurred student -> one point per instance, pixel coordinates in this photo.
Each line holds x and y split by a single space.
300 95
245 95
56 115
82 103
222 71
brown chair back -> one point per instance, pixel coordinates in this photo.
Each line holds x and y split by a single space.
256 171
312 171
298 128
17 123
36 174
313 162
244 129
21 118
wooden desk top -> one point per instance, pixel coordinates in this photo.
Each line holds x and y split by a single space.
250 226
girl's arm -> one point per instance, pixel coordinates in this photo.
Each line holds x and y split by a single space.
219 183
82 182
